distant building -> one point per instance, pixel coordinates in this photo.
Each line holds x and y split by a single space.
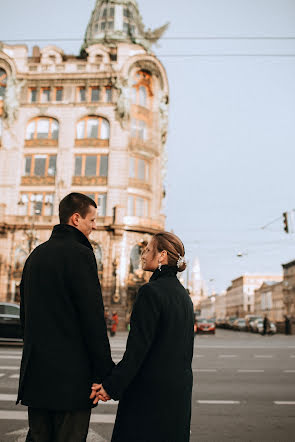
269 300
95 123
220 306
197 284
240 295
207 307
289 289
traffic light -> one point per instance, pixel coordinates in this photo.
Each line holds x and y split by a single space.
285 219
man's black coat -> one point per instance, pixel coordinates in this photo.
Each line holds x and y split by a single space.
66 347
154 379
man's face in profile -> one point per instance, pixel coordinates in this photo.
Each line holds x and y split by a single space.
87 224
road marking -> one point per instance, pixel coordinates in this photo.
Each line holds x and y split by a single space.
10 357
23 415
9 367
227 356
219 402
2 374
289 371
199 356
263 356
250 371
7 397
284 402
205 370
292 356
14 376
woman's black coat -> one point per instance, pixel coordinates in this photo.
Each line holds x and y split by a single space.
66 347
154 379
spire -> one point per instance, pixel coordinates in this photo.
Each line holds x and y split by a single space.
114 21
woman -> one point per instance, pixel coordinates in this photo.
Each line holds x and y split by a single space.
153 382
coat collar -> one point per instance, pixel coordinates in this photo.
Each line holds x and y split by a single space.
65 231
165 271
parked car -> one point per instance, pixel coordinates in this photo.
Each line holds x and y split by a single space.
258 327
229 321
220 322
250 319
205 326
10 328
239 324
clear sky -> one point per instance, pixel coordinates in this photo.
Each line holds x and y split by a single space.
231 143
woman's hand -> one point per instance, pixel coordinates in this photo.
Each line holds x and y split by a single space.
99 394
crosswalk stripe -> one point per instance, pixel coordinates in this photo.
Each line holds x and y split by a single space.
284 402
23 416
250 371
14 376
205 370
2 374
9 367
263 356
218 402
10 357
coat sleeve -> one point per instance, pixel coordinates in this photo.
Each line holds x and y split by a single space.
143 327
22 301
87 298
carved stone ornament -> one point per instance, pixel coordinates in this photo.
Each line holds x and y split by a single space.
12 99
123 103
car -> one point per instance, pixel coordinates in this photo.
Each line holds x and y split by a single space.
239 324
229 321
205 326
258 327
10 327
250 319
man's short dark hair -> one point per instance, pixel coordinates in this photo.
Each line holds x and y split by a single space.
74 203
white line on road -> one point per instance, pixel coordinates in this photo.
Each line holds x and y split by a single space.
219 402
204 370
199 356
227 356
289 371
284 402
292 356
1 375
250 371
14 376
23 416
9 367
10 357
263 356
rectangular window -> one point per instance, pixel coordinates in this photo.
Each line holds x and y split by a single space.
40 163
92 128
103 25
59 94
142 130
132 167
52 166
102 204
43 128
110 25
95 94
82 94
45 95
28 165
141 169
139 207
103 166
90 166
78 166
133 128
130 205
109 94
112 12
33 95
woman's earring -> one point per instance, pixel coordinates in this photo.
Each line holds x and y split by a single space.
159 266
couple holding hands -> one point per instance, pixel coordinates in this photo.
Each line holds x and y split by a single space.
67 367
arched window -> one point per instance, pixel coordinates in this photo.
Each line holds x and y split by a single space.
98 256
3 83
42 128
93 128
142 90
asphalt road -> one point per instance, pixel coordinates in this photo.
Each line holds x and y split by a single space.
244 390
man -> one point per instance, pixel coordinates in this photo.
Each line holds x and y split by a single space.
66 348
265 325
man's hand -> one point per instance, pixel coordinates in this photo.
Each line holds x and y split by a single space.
99 394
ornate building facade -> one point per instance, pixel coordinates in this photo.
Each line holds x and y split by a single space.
96 124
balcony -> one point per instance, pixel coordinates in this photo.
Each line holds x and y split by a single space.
38 181
41 143
139 184
89 181
137 145
91 142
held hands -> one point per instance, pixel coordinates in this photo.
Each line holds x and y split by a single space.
99 394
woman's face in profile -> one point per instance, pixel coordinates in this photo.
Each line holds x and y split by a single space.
150 259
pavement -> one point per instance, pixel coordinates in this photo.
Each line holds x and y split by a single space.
244 390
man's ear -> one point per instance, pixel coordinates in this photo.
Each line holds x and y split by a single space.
75 219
